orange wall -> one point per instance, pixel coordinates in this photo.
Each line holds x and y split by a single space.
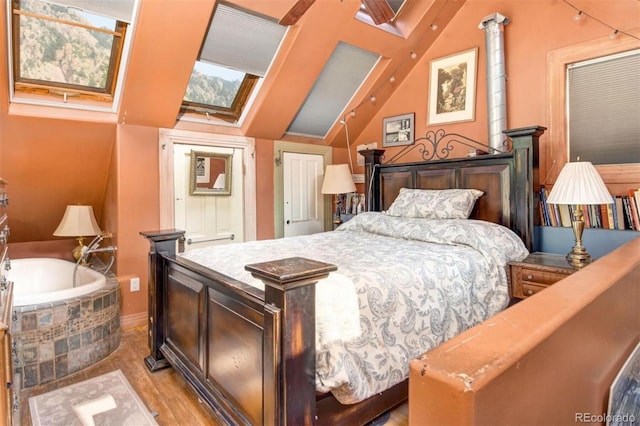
535 28
52 160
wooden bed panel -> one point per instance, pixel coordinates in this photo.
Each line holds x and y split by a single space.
234 352
493 180
391 184
184 310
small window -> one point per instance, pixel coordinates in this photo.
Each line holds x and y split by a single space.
603 110
64 50
219 91
236 52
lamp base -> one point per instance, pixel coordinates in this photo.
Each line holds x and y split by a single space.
578 257
77 251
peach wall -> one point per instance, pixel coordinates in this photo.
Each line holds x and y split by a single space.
136 209
535 29
49 164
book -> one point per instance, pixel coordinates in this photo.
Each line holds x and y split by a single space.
565 216
619 212
635 219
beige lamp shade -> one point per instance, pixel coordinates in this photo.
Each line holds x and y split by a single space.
338 180
579 183
78 221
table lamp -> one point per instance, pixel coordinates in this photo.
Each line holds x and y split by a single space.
78 222
338 180
579 184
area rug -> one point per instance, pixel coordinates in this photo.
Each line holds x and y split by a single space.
101 401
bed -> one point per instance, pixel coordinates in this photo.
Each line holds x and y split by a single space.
252 336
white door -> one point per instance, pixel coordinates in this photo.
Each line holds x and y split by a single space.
303 201
208 219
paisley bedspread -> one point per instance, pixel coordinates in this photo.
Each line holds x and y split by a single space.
403 286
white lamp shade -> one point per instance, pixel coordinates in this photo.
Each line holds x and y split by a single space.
78 221
338 180
220 181
579 183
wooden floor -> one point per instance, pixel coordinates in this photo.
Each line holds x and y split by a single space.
164 392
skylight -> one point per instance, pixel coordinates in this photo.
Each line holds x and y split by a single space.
340 79
237 51
63 50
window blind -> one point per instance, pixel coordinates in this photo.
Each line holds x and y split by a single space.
604 109
241 40
341 77
121 10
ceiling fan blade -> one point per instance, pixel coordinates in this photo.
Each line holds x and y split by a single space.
296 12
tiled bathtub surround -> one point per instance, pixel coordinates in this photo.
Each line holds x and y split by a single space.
53 340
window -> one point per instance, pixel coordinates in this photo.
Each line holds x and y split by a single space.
604 109
216 90
380 12
63 50
237 51
617 177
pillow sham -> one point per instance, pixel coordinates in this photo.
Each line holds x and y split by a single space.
434 203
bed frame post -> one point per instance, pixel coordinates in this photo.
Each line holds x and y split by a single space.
162 242
525 142
372 158
290 287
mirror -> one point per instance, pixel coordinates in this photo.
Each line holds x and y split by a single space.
210 173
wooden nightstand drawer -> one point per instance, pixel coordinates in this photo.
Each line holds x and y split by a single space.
536 272
541 277
530 290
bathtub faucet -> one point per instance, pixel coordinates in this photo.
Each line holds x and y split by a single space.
94 247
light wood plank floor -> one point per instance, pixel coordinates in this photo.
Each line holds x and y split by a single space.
164 392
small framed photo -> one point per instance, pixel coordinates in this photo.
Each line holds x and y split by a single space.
452 88
398 130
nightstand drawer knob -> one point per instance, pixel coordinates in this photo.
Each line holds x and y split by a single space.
529 277
529 292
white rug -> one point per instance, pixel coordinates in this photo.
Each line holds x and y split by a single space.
102 401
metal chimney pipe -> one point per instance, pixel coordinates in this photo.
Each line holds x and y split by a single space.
493 25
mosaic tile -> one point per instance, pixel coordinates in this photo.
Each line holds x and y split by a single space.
62 366
30 375
61 346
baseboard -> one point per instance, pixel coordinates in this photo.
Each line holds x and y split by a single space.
133 321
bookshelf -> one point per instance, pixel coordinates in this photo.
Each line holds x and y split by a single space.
607 226
622 214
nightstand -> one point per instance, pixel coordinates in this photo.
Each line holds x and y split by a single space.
537 272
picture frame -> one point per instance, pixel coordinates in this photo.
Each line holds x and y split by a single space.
452 88
398 130
210 173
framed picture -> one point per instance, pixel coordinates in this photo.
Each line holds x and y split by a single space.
452 88
398 130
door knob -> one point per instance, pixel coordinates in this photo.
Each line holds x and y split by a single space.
288 222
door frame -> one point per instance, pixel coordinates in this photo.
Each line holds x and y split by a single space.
280 147
168 137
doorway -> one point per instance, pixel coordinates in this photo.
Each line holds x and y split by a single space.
303 200
207 219
281 148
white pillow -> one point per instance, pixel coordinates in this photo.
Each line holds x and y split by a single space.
434 203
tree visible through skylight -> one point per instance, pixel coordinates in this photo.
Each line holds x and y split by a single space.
213 85
64 47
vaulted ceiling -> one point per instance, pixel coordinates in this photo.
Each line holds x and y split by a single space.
168 37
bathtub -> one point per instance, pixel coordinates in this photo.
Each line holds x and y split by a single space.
57 329
42 280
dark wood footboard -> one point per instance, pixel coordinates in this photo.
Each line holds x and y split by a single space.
249 354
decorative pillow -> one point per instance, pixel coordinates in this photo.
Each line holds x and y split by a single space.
434 203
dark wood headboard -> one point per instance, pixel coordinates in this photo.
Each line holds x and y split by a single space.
509 181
